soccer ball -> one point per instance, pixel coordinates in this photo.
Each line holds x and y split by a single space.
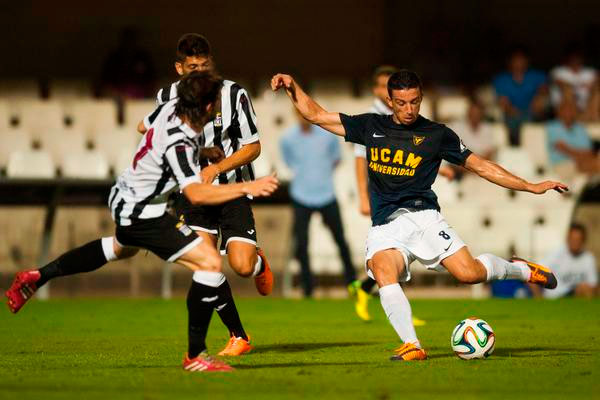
473 338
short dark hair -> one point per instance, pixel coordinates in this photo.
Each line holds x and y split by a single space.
383 70
192 45
195 92
576 226
404 79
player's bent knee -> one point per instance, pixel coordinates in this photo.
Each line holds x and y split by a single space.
241 264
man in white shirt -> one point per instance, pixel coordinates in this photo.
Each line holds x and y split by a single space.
576 82
574 267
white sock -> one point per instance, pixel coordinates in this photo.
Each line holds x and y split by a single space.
257 266
108 248
396 307
500 269
209 278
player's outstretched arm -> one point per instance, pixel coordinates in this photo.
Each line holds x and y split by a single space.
206 193
498 175
307 107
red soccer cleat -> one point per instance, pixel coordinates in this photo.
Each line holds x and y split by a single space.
264 281
22 289
205 363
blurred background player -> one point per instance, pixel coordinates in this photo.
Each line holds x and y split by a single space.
404 153
232 131
164 161
574 266
313 154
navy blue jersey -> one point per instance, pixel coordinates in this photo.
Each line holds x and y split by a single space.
403 160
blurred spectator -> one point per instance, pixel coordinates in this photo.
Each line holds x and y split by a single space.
521 93
569 146
476 134
574 267
575 82
128 70
312 154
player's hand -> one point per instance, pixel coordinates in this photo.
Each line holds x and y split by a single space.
213 154
281 81
543 187
365 208
209 173
262 187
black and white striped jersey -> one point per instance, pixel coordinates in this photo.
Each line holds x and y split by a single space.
165 160
378 107
233 126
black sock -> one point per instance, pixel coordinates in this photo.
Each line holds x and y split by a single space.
201 300
86 258
368 284
228 311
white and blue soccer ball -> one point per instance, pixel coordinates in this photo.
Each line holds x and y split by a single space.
473 338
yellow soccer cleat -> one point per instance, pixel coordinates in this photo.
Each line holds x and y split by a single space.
419 322
361 304
409 352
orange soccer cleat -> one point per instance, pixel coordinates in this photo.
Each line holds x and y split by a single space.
205 363
409 352
540 275
264 281
236 347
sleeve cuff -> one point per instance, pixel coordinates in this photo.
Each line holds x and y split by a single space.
189 181
252 139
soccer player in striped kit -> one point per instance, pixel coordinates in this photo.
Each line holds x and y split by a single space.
166 160
232 132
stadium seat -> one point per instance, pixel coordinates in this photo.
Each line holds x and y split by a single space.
474 189
93 117
533 141
30 164
593 129
39 117
136 110
5 115
545 240
446 191
500 133
426 108
85 165
112 142
59 143
517 161
452 107
123 161
12 140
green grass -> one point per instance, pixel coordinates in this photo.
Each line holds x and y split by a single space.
132 349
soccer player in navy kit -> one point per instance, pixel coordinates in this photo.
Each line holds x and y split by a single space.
404 152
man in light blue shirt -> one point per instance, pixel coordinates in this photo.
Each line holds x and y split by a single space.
312 154
565 137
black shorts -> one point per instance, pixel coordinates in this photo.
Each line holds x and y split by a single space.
165 236
232 221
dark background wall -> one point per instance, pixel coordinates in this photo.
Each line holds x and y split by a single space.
448 42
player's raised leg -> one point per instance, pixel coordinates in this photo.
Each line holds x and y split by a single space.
388 267
86 258
248 260
488 267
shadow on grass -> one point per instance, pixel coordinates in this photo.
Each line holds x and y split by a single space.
299 347
529 351
302 364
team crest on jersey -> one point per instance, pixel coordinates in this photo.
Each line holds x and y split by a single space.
218 121
417 140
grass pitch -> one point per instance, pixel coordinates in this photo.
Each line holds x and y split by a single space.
132 349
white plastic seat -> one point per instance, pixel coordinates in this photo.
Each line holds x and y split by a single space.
60 143
12 140
123 161
426 108
533 141
5 115
593 129
500 133
545 239
112 142
85 165
475 189
517 161
93 117
446 191
30 164
136 110
452 107
39 117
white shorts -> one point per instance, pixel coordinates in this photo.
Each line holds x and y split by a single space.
419 235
